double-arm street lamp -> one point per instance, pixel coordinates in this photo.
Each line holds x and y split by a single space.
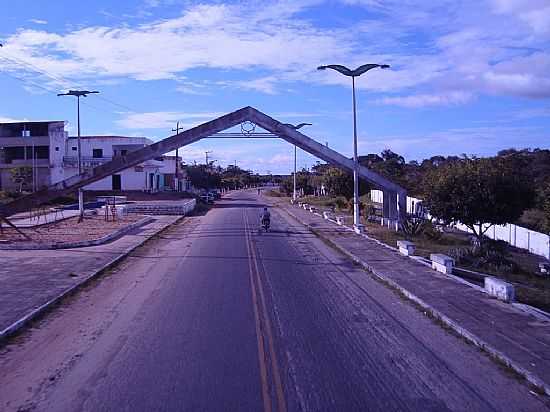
298 126
79 94
353 74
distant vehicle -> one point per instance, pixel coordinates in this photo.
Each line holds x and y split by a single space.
207 197
216 193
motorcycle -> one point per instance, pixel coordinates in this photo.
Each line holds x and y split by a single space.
266 223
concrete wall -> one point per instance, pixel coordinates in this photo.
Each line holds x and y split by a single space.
414 205
133 178
107 143
518 236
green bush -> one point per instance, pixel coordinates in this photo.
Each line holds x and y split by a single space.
341 202
413 226
431 232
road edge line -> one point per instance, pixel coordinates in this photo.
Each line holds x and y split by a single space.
469 336
37 313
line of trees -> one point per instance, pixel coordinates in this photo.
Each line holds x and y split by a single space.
511 187
232 177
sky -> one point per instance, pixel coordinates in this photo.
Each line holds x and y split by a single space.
466 77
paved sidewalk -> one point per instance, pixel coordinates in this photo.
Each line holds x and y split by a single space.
32 278
512 335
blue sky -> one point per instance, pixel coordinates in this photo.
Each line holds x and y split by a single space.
467 76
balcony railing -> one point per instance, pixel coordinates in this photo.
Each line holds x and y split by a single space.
87 161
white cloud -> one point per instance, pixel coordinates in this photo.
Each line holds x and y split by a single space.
265 85
11 120
38 21
480 141
164 120
435 48
423 100
215 36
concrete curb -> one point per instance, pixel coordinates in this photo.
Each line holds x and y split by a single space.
83 243
41 310
470 337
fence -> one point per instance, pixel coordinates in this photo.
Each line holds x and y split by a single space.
517 236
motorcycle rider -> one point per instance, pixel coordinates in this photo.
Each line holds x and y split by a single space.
265 215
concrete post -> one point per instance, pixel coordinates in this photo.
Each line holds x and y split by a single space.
401 207
390 211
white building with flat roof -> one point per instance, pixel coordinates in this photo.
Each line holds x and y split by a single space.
47 150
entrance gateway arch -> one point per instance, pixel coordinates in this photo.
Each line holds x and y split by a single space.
394 207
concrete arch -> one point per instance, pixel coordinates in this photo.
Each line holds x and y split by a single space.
394 195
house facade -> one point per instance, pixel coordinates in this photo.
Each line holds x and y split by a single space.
37 148
42 153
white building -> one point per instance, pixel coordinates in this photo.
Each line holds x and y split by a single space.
56 158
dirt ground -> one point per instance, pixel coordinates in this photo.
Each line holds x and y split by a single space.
69 230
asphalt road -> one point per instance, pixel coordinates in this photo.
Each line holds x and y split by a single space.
218 316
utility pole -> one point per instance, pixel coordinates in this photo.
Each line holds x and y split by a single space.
176 179
235 175
79 94
206 153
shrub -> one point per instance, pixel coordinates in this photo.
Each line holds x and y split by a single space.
341 202
413 226
431 231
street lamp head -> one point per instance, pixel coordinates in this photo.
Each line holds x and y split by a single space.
78 93
353 73
338 67
298 126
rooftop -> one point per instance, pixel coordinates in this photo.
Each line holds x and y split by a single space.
108 137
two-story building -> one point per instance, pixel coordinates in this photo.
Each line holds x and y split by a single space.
49 155
38 147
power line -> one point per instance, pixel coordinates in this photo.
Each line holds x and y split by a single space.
29 82
62 80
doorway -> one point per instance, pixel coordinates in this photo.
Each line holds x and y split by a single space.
117 182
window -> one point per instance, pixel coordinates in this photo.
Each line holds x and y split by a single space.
96 153
73 148
57 148
14 153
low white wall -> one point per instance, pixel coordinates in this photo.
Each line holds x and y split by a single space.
518 236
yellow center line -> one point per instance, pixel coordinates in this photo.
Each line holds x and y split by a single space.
273 354
259 336
271 343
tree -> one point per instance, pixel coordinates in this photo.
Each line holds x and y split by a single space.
203 177
546 206
477 193
338 182
22 176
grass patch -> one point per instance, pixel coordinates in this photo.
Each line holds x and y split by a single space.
531 289
274 193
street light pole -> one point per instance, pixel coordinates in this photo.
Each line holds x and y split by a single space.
298 126
294 188
78 94
206 153
356 221
176 179
353 74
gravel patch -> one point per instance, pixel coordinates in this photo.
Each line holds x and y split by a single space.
69 230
